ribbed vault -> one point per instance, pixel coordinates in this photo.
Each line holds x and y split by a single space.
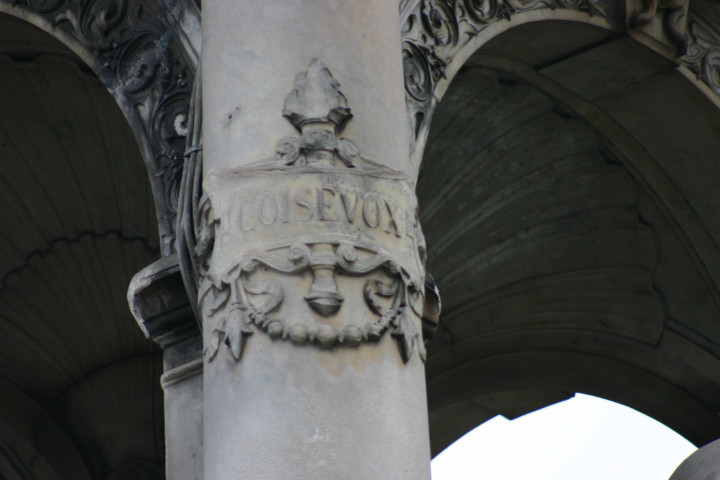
572 230
79 381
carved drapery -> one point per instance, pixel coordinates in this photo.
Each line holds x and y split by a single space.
300 226
131 47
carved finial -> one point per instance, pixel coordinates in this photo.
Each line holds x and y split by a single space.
316 99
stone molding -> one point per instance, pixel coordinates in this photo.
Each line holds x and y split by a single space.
133 49
316 208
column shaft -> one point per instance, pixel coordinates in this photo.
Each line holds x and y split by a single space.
312 285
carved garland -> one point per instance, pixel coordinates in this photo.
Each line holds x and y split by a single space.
134 48
232 296
241 299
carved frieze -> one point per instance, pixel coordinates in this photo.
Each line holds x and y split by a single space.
134 53
315 244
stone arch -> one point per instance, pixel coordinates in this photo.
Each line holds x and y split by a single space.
77 222
572 252
439 36
146 59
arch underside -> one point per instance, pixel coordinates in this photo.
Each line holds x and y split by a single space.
568 197
145 54
79 384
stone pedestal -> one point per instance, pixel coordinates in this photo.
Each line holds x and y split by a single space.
312 259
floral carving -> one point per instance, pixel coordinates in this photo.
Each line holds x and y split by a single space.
244 304
439 19
422 70
482 11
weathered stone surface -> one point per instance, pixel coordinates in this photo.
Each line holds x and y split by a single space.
80 382
312 272
701 465
568 187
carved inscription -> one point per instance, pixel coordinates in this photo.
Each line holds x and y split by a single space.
369 210
316 210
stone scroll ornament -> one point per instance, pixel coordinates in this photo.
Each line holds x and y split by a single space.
297 225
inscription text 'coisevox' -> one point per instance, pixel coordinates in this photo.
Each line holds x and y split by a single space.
367 210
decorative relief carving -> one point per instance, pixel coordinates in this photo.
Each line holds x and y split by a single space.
310 230
396 300
703 54
673 14
436 30
136 61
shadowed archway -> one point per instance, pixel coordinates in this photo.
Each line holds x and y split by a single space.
80 395
567 200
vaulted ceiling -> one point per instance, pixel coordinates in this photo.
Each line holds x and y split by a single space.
570 204
78 381
568 196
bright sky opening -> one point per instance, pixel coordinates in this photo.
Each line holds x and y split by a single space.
584 438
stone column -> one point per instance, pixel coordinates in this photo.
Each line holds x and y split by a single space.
703 464
158 300
312 258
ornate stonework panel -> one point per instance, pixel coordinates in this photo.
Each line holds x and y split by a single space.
315 244
131 47
703 53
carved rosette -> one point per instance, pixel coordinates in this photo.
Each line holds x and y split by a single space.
324 244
